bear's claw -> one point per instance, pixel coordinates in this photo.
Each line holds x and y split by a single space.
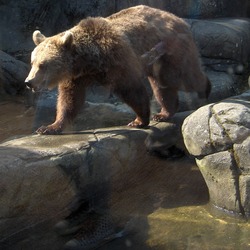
160 117
136 124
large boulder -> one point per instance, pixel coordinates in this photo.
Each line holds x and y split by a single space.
224 39
225 50
40 176
218 136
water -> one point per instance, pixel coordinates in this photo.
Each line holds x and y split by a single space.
167 208
15 118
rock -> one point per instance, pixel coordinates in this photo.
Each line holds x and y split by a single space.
225 50
225 38
12 74
41 175
19 20
93 115
165 138
218 136
224 85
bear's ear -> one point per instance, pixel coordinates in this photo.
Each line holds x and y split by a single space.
38 37
67 38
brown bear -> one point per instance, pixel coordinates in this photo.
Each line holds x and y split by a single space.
173 65
105 50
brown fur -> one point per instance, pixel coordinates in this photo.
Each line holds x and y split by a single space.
173 65
107 50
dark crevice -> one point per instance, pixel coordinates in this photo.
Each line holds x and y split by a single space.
236 176
210 115
234 167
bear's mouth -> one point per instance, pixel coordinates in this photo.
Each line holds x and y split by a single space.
30 88
36 89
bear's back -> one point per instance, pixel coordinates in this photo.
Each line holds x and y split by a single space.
145 26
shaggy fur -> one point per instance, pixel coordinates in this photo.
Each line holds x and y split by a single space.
107 50
173 65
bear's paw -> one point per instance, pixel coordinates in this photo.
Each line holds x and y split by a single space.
49 130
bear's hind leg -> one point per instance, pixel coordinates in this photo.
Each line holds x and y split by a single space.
167 98
71 96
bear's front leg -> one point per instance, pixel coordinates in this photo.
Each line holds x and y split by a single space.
71 96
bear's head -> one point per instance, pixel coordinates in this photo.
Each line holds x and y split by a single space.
50 61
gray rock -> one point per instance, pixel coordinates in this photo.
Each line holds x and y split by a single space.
92 115
46 166
224 38
41 175
165 138
12 74
219 172
220 126
19 19
224 85
225 52
218 135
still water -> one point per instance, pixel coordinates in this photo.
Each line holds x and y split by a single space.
168 207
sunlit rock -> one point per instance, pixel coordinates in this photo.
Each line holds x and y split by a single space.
218 136
42 176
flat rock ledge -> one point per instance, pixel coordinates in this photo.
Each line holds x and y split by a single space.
42 176
218 136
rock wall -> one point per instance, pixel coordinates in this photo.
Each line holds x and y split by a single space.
12 74
20 18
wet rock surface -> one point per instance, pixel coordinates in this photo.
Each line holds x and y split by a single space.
42 175
218 136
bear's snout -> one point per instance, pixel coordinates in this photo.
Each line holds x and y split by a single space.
28 83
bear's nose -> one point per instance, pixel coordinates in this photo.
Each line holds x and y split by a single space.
28 83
